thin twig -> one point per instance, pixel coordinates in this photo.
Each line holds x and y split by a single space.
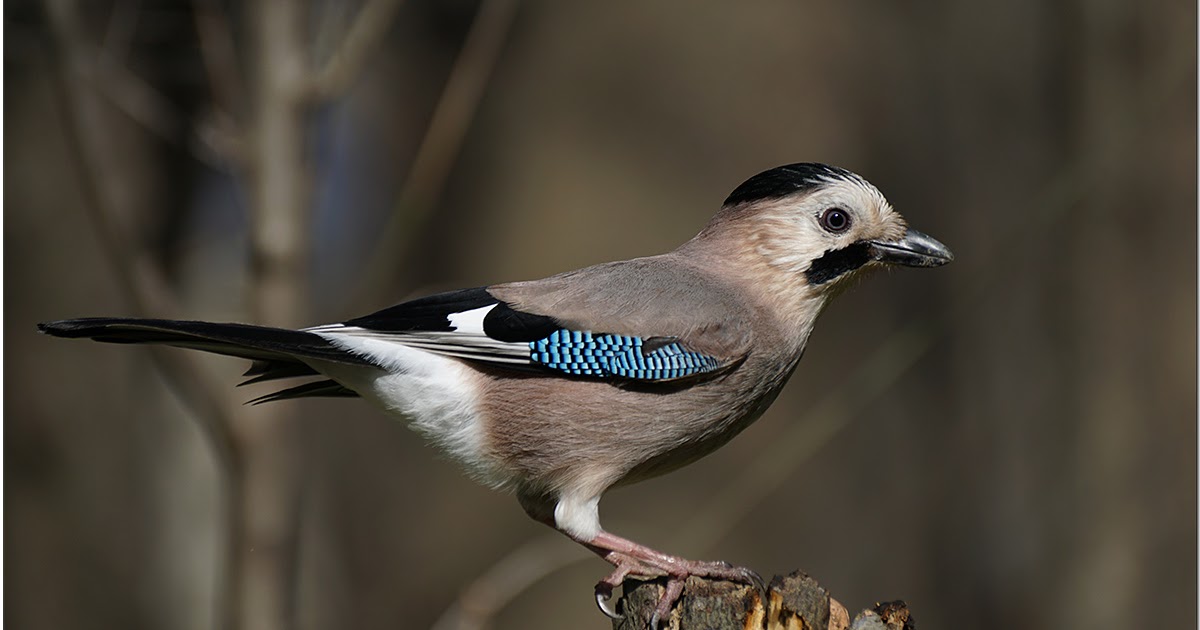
214 143
348 58
129 93
441 143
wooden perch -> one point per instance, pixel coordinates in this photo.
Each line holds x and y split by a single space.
794 602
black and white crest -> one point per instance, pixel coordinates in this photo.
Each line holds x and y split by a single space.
785 180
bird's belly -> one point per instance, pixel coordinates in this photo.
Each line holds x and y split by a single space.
720 432
556 433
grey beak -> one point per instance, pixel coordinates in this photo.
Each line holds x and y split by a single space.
914 249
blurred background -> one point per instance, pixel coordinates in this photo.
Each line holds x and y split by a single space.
1006 442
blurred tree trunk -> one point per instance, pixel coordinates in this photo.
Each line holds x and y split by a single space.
266 490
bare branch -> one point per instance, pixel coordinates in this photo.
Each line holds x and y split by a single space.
364 35
213 140
218 141
443 139
129 93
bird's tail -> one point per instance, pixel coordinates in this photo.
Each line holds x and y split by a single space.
276 352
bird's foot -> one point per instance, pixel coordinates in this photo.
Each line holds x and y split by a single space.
644 563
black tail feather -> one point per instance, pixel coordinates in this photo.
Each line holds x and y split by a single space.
277 353
257 343
261 371
328 388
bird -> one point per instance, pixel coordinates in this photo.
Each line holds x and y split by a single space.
560 389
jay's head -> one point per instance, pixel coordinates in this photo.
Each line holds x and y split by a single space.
823 223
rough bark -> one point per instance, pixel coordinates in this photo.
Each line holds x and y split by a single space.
793 602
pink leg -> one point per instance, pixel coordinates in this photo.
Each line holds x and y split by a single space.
632 559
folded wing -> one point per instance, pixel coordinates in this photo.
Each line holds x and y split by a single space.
613 330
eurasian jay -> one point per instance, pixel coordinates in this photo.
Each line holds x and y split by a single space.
558 389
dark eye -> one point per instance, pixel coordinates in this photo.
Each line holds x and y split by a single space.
835 220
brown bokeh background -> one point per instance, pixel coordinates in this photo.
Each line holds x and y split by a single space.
1006 442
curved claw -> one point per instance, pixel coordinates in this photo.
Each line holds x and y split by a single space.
742 575
756 581
602 597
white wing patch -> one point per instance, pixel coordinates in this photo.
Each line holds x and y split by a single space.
470 322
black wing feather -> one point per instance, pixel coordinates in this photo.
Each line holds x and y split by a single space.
431 314
424 314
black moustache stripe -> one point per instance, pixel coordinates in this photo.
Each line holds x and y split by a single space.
836 262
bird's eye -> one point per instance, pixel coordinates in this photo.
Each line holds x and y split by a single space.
835 220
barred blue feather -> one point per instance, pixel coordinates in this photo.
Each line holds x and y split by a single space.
587 354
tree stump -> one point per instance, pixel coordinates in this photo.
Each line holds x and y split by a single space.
794 602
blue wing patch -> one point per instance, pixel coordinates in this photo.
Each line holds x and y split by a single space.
587 354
